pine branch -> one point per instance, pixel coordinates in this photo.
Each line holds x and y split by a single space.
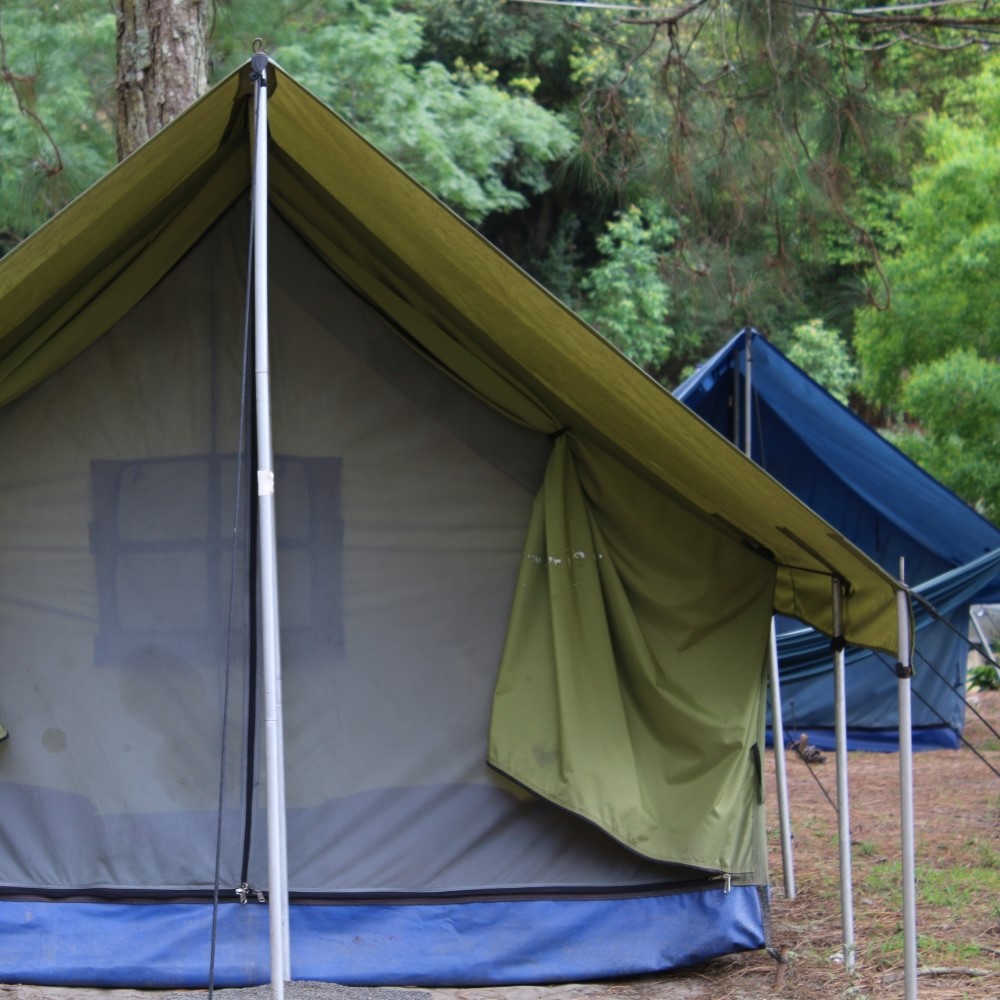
15 81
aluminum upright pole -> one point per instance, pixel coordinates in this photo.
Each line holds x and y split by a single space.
781 777
777 727
987 651
276 851
843 802
905 672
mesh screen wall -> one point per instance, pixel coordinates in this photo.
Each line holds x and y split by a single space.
402 505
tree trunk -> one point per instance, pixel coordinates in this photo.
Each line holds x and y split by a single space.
162 64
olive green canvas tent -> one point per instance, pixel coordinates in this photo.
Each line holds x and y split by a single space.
525 595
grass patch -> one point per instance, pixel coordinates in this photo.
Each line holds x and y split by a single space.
952 887
932 950
947 887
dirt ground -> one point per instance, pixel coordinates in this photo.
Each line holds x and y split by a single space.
957 815
957 837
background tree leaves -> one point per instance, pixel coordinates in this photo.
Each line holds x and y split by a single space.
57 100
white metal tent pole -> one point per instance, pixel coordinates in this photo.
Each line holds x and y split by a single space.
843 804
987 652
984 642
778 739
277 870
777 727
905 672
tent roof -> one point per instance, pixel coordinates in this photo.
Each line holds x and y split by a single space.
458 298
838 465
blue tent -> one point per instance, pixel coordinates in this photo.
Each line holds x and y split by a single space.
884 503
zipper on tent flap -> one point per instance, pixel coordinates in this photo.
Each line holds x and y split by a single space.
107 894
244 892
727 881
534 893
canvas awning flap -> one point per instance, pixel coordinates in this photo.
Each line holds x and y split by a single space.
623 651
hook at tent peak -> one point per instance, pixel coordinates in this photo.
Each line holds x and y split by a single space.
259 62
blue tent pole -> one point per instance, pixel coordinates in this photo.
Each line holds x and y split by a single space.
277 865
747 394
905 672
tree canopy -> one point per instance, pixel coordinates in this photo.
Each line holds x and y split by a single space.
932 360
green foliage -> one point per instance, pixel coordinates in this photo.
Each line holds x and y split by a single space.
956 402
935 354
943 279
624 296
480 145
822 353
758 129
951 887
984 677
56 108
519 41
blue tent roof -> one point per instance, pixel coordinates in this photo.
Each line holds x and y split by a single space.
889 507
838 465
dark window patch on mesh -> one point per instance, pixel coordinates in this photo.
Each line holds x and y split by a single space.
162 536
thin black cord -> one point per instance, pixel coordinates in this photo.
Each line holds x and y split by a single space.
232 600
979 755
892 667
920 599
961 736
968 704
934 613
933 708
815 777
